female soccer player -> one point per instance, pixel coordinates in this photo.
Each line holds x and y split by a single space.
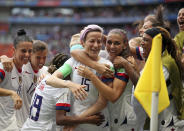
91 39
13 80
31 71
49 105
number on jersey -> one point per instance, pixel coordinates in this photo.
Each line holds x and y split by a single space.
35 107
85 82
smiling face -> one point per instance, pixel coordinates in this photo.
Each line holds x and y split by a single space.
38 59
93 44
180 19
146 44
22 53
114 44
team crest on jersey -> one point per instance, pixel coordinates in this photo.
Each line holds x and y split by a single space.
41 87
27 72
20 79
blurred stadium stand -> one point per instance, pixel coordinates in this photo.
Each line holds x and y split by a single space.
55 21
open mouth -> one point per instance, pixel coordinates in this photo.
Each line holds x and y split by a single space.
181 23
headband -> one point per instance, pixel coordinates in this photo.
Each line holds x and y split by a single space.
89 28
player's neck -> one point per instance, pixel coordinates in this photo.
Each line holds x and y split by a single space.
35 69
17 64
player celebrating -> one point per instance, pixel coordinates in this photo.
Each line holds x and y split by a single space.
32 71
49 105
91 39
13 80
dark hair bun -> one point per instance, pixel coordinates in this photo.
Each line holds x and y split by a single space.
21 32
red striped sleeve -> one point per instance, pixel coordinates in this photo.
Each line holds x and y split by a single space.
123 74
63 104
2 74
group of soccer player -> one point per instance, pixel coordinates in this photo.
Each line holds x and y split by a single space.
92 90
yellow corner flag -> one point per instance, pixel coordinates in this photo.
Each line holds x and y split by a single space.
152 79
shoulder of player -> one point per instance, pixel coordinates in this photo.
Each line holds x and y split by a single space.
72 62
105 61
27 69
44 69
51 92
47 88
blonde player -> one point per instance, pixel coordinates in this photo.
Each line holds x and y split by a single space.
13 80
91 39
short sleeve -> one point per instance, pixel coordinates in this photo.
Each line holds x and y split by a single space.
120 74
63 101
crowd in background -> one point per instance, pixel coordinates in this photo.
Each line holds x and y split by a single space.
116 95
58 36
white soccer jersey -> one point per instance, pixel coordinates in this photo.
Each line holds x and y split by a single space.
122 115
77 106
45 101
30 78
12 81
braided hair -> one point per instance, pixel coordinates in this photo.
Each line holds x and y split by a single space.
57 62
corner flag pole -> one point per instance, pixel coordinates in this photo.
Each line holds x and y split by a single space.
154 112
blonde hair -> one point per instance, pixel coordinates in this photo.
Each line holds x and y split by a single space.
75 39
136 40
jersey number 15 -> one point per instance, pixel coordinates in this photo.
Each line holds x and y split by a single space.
85 82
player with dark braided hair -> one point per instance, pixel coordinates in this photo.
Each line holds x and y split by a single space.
57 61
49 105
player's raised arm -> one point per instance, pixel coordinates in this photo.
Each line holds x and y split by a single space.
103 69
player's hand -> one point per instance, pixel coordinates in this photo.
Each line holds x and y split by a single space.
78 91
42 76
104 70
7 63
97 119
84 71
17 100
132 62
119 62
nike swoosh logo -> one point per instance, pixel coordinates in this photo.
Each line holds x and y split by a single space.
13 77
27 72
